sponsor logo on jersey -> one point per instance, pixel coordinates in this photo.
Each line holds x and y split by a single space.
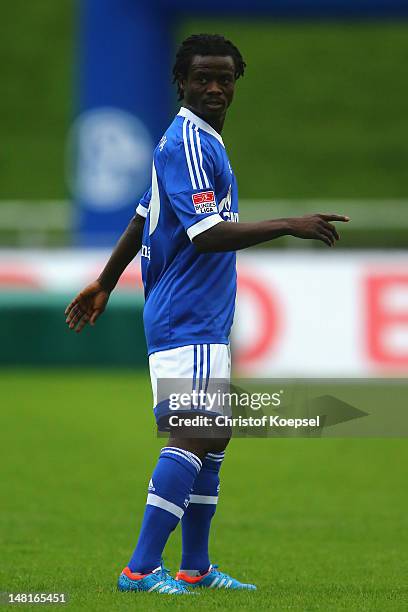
204 202
233 217
145 251
227 201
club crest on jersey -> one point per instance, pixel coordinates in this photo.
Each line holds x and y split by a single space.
204 202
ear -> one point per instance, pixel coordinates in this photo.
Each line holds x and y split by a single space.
181 84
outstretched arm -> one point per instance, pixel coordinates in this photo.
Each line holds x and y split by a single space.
236 236
91 301
126 249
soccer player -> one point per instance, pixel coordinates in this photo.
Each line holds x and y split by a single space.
187 229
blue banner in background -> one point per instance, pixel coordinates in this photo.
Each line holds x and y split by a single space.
125 102
293 9
125 98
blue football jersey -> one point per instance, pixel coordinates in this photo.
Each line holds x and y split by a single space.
189 296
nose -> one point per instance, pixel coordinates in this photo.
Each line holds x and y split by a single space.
214 88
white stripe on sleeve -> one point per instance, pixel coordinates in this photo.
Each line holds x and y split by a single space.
203 225
193 152
200 156
142 211
190 169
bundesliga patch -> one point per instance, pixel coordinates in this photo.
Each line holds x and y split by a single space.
204 202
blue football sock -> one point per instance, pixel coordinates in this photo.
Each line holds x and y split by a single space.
196 521
167 499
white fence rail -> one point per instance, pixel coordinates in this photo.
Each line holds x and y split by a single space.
26 223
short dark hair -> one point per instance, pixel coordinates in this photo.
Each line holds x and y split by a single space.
204 44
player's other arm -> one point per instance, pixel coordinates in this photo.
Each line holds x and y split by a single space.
91 301
227 236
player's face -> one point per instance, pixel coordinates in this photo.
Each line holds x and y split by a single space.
209 87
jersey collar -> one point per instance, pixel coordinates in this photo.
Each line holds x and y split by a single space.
203 125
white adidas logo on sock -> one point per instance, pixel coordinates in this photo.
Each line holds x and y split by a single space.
151 486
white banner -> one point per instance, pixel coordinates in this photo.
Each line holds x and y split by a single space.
322 314
298 314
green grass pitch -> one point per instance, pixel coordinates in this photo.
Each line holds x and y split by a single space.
318 524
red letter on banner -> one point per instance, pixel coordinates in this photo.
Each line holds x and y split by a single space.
385 321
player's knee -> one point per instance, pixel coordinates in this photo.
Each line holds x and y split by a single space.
201 446
217 445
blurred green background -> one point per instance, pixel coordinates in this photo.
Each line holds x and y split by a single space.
36 103
320 113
